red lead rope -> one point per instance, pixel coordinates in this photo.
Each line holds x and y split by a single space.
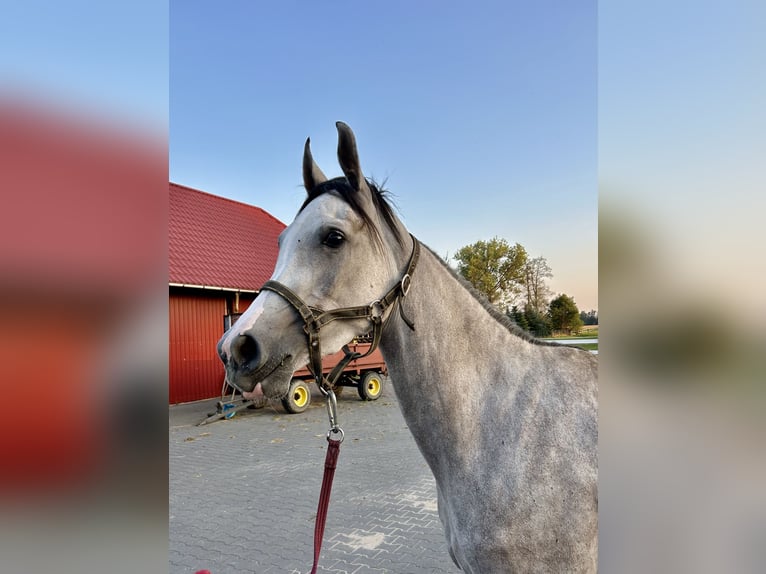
330 462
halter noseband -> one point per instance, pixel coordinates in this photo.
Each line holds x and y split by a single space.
315 318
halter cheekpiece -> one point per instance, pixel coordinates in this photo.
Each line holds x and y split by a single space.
315 318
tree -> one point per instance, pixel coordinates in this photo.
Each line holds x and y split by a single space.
589 318
495 268
564 315
539 324
536 271
518 318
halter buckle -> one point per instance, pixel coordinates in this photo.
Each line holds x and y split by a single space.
376 310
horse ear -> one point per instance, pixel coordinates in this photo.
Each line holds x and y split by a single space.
312 175
349 157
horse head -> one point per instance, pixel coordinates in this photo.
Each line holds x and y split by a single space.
343 250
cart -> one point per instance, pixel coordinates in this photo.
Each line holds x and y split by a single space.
366 374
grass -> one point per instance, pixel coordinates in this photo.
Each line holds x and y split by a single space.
589 334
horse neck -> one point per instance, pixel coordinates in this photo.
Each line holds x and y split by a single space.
443 371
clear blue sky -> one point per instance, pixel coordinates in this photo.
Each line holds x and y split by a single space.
106 59
480 116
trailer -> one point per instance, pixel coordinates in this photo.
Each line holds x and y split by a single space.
367 374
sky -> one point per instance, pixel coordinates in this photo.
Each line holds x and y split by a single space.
487 121
681 121
106 60
480 118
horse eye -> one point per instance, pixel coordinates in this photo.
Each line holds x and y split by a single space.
334 239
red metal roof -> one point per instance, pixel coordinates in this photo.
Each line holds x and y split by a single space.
219 242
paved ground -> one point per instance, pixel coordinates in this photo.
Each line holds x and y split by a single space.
243 492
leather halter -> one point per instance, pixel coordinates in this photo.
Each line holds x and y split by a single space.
315 318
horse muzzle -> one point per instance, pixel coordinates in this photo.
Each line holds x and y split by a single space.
247 364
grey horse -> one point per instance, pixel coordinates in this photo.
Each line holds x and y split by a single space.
506 423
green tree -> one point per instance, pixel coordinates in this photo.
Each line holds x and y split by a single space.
589 318
495 268
539 324
518 318
564 314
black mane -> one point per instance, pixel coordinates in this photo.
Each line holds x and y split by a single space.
341 188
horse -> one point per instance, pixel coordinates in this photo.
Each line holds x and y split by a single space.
506 423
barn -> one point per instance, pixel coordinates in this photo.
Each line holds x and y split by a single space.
220 252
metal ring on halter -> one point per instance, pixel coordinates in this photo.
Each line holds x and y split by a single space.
336 430
406 283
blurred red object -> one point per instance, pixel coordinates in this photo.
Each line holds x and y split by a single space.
82 243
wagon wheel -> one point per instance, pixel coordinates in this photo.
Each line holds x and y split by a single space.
298 397
370 386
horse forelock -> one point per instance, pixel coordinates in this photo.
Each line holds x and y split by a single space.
340 187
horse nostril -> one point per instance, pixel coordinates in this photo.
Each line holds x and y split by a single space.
244 350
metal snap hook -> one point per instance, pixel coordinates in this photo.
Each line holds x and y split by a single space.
332 411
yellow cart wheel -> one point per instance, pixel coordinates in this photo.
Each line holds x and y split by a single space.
298 398
370 386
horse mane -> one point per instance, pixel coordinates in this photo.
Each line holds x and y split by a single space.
341 187
494 312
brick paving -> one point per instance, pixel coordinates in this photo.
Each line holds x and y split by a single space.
243 492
